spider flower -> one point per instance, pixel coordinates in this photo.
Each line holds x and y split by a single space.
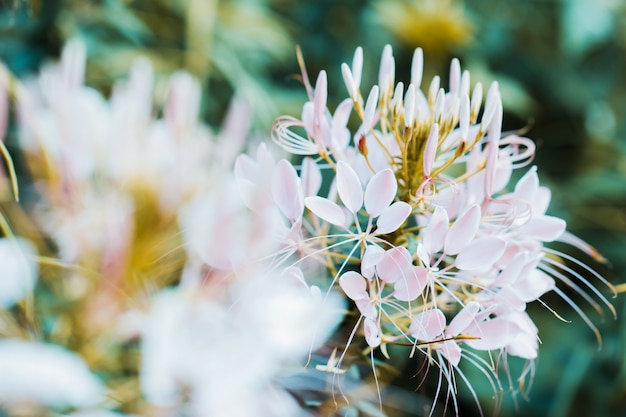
458 252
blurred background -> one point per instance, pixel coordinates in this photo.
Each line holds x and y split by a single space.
561 65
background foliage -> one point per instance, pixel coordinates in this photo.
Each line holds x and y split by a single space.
560 64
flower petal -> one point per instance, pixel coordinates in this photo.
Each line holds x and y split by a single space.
372 332
380 192
528 185
492 334
392 217
463 318
451 351
463 230
481 253
311 177
428 325
544 228
411 283
349 187
353 285
393 265
326 210
287 190
430 150
373 254
435 233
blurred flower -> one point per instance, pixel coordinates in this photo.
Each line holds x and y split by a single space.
18 270
437 26
47 375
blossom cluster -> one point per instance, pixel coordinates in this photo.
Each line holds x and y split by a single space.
164 270
420 226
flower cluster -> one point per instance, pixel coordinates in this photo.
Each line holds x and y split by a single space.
419 226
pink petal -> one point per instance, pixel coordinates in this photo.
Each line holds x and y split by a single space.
392 217
543 228
372 332
380 192
451 351
428 325
430 151
435 233
411 283
349 187
463 230
492 334
393 264
367 308
463 319
311 177
326 210
287 190
353 285
481 253
373 254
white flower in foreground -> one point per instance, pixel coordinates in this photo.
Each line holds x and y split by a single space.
18 270
45 374
225 354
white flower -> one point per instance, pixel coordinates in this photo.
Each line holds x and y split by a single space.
18 270
47 375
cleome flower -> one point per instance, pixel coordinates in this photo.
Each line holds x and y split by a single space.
420 227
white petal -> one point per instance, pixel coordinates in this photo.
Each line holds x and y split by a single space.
543 228
428 325
287 190
463 230
463 319
492 334
380 192
373 254
353 285
411 283
393 264
392 217
372 332
481 253
311 177
435 233
349 187
326 210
